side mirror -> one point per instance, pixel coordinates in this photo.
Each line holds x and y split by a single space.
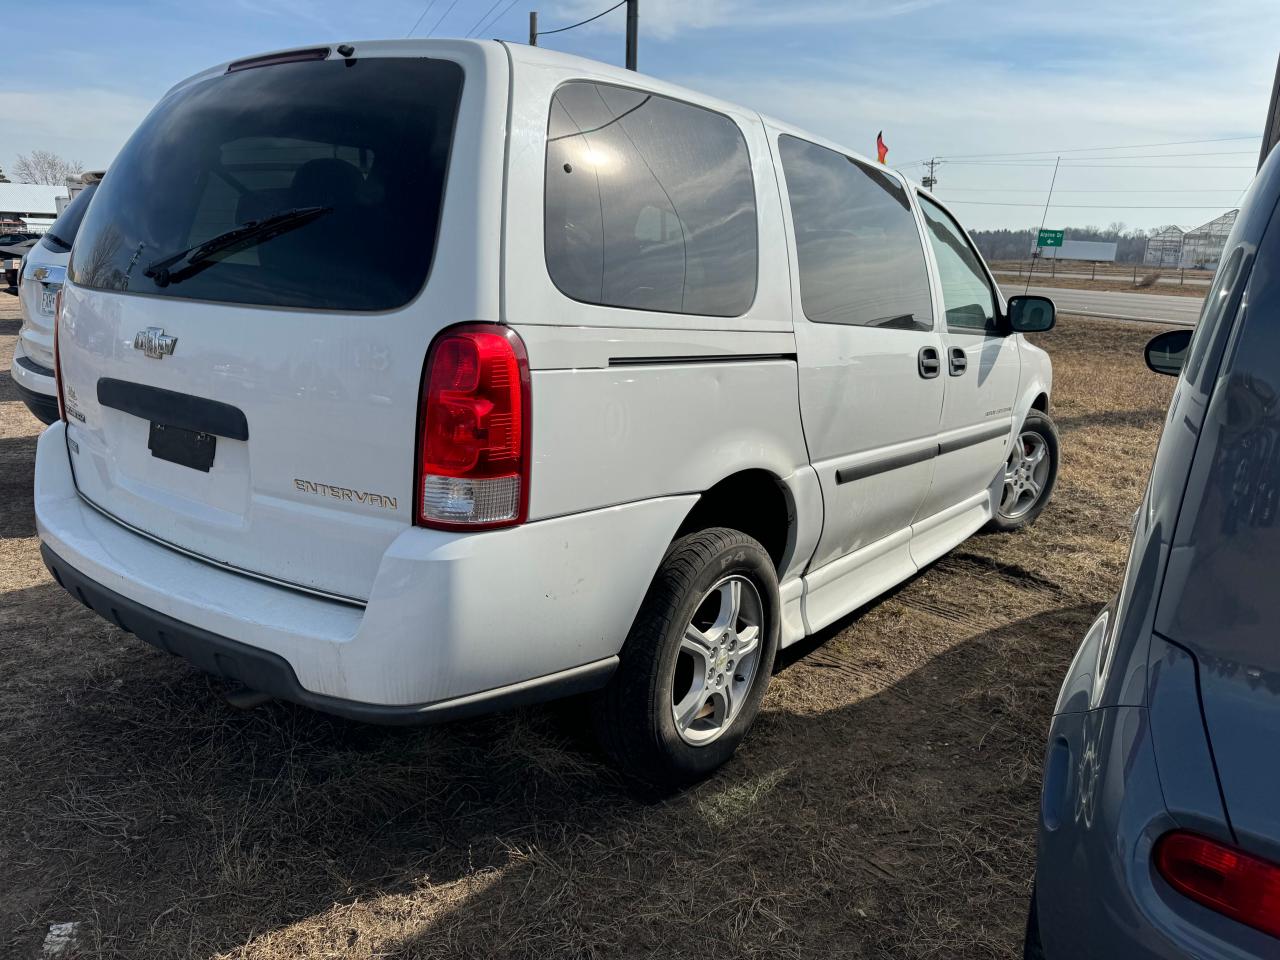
1031 314
1166 352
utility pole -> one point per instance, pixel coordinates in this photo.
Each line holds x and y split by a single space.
633 32
929 181
533 28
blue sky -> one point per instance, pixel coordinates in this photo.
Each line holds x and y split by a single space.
947 78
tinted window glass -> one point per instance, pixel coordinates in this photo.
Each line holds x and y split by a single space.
1212 313
346 159
860 256
966 293
62 234
650 203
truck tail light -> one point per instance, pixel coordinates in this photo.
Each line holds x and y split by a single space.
1222 878
473 430
57 360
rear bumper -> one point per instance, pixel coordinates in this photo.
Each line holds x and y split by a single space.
36 385
32 376
454 624
271 674
41 405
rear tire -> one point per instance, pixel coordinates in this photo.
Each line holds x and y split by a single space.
1029 475
696 662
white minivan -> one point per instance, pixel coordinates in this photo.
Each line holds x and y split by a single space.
39 280
409 380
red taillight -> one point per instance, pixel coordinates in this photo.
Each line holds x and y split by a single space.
57 361
1230 881
473 444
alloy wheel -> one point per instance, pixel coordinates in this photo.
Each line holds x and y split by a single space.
718 659
1025 474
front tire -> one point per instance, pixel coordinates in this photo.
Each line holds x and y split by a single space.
1028 476
696 662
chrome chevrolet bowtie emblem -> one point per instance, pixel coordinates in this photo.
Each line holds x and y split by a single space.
154 342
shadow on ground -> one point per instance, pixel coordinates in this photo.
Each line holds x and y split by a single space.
299 835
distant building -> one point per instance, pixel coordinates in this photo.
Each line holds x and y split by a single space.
1097 251
1164 249
28 207
1202 247
1199 247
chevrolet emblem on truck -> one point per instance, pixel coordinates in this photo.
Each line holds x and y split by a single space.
154 342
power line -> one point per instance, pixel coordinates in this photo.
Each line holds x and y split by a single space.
447 11
494 20
1093 206
1120 156
430 4
1081 190
483 17
1125 146
573 26
1111 166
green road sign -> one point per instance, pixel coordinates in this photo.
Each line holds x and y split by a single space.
1049 238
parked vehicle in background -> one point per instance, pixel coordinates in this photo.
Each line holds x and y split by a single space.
42 274
1159 826
11 255
634 388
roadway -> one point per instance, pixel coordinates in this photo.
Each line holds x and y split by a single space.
1143 307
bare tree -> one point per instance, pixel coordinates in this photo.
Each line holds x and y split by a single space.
3 178
44 166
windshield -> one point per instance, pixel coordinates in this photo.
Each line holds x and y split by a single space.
62 234
366 141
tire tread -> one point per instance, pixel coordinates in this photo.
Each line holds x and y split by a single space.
631 693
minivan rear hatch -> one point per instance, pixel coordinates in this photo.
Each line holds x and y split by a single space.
240 366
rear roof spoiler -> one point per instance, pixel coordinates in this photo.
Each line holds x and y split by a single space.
284 56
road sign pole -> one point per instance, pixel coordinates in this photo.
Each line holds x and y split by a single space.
1044 216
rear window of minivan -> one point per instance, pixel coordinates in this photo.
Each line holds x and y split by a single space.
62 234
308 185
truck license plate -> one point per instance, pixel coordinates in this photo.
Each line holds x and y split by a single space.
47 298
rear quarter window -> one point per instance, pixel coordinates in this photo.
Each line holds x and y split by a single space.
363 146
650 203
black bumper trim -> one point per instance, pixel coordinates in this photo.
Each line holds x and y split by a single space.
37 368
44 407
271 674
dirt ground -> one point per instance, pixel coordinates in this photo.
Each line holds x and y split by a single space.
884 806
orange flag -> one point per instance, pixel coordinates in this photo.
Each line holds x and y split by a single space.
882 150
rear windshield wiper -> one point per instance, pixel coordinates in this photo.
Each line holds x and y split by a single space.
187 263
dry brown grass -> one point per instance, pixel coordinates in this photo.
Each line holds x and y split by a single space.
1117 278
883 807
1014 285
1120 270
